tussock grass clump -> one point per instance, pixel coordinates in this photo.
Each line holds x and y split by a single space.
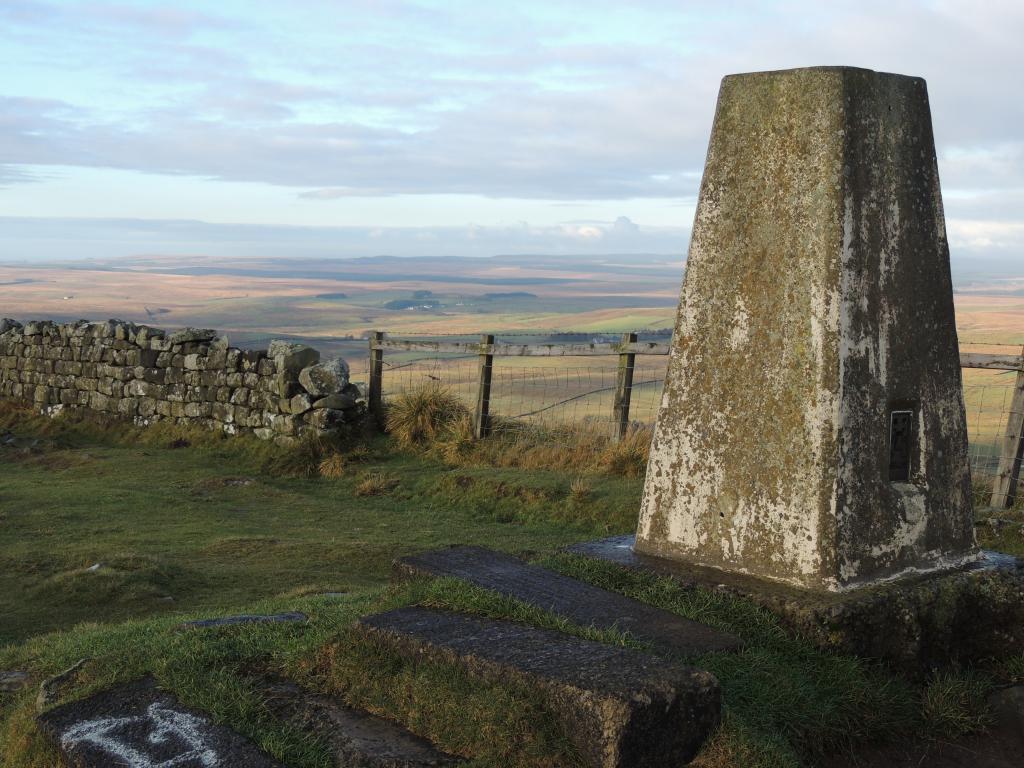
953 703
527 446
337 462
629 456
333 466
375 484
579 490
425 415
1012 669
434 420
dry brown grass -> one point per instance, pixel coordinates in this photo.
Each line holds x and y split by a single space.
531 447
424 415
333 466
579 491
375 484
337 463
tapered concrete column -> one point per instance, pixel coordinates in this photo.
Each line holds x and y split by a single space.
812 427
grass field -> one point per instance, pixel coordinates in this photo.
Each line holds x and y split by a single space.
110 538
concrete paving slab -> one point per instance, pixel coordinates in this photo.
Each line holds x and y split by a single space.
575 600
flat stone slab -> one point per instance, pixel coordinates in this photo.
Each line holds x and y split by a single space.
582 603
246 618
139 726
621 707
357 738
915 623
14 680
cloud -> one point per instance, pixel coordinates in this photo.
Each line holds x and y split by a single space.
523 100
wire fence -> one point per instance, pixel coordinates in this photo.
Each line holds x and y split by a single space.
578 394
558 391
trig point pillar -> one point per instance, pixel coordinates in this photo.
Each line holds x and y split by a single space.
812 427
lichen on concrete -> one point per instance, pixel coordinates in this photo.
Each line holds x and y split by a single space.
817 298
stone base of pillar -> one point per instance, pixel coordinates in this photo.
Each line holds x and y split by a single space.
915 623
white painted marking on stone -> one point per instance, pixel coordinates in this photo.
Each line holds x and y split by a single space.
168 725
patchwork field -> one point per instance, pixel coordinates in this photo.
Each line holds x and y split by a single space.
327 301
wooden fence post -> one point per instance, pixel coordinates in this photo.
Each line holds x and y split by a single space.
1004 487
373 396
482 421
624 389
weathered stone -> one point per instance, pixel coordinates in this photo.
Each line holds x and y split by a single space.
144 335
286 387
915 624
189 335
1007 708
224 412
291 357
14 680
620 707
299 404
251 358
357 739
246 618
139 726
53 687
327 378
116 367
7 325
816 321
324 418
336 402
569 598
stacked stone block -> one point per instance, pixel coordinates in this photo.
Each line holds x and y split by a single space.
191 376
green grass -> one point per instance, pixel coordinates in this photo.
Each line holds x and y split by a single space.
211 526
207 526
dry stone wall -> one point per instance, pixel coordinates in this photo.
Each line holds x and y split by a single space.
190 376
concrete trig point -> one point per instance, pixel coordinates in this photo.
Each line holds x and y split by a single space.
812 427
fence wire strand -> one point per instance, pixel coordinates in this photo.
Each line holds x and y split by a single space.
568 394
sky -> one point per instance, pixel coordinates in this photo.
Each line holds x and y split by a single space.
430 127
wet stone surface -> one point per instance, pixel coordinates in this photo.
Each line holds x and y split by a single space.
357 739
139 726
619 706
577 601
246 618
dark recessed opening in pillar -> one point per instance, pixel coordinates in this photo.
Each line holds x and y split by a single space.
902 439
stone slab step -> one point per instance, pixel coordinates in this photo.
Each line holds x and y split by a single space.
621 707
357 738
575 600
139 726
